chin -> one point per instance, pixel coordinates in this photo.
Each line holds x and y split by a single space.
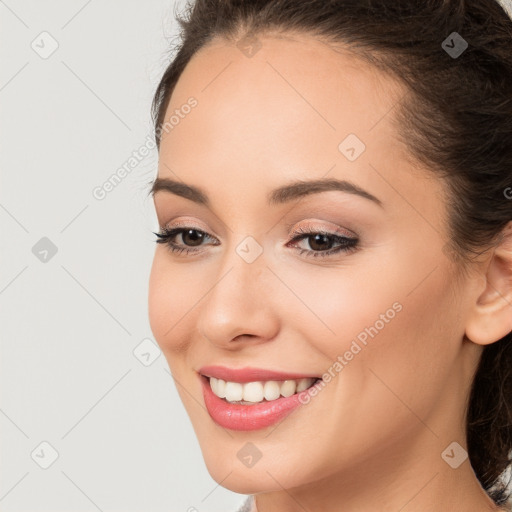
246 481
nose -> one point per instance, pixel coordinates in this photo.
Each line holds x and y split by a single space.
241 305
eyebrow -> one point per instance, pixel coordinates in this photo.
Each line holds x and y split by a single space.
281 195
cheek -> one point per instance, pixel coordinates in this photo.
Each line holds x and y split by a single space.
171 299
370 324
370 298
332 307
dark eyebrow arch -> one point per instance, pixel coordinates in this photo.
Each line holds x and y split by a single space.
281 195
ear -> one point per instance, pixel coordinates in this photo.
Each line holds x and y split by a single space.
491 316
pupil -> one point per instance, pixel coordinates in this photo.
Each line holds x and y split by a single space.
320 237
196 240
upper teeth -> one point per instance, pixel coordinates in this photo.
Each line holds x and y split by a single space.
257 391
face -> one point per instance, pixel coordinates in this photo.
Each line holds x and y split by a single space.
351 282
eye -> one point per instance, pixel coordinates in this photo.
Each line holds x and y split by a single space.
322 242
189 235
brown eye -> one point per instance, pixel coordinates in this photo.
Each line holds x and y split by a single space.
194 236
191 237
320 242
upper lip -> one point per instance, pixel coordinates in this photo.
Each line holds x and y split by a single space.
250 374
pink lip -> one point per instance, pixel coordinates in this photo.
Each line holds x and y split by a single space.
248 417
250 374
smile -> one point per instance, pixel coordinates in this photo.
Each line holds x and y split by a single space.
251 393
253 405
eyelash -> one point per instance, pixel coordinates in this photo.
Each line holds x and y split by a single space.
348 245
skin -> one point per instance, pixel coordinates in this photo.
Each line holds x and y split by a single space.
372 439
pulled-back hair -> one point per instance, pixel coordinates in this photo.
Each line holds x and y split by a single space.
455 119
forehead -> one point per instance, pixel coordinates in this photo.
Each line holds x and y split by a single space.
278 114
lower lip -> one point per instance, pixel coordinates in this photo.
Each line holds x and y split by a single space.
248 417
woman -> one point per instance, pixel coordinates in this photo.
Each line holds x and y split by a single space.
332 286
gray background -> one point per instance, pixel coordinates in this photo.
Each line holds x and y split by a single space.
70 321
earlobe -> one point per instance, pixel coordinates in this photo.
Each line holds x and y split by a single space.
491 317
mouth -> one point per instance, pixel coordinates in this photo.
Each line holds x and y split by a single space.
253 405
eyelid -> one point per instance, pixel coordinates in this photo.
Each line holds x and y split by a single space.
189 224
320 225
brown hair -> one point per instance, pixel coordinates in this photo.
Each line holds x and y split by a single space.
456 119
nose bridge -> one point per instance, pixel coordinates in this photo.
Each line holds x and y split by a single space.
239 300
244 266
